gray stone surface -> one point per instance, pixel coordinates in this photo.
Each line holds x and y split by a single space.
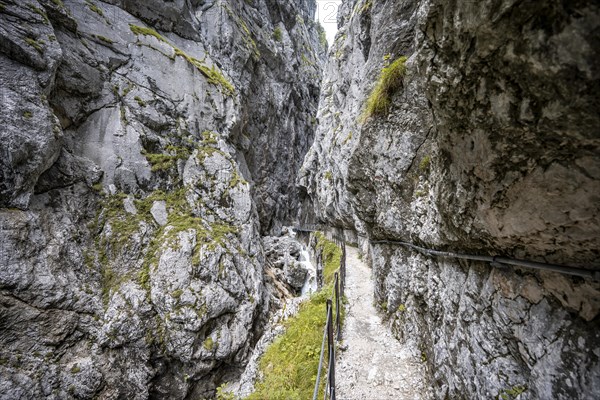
135 183
489 147
283 254
159 212
141 154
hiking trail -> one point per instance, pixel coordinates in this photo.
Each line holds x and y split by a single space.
375 365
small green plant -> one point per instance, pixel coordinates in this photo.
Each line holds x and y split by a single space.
39 12
366 7
140 102
144 277
348 138
223 394
104 39
424 164
167 160
208 343
402 308
141 30
126 91
247 37
123 114
512 393
306 60
27 114
328 175
209 137
75 369
176 294
92 6
277 34
236 179
58 3
389 81
35 44
322 35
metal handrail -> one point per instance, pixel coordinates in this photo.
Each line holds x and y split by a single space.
329 331
316 391
496 261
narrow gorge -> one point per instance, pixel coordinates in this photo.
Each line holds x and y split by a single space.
161 162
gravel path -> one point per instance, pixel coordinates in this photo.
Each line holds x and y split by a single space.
375 365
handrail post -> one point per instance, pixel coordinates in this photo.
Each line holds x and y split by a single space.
331 357
319 270
325 332
337 306
343 270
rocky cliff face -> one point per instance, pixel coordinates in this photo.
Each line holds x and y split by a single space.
141 155
490 146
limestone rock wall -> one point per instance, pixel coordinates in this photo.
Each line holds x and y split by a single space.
490 147
134 144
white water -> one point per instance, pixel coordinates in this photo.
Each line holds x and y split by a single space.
310 284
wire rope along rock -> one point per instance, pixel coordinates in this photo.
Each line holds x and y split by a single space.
497 261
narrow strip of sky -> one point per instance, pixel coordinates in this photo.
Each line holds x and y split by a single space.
327 15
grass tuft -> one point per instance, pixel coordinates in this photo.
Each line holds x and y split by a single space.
35 44
104 39
277 34
141 30
95 8
322 35
213 74
165 161
140 102
40 12
390 80
208 344
424 164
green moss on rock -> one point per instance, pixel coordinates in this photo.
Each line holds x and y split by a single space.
213 74
208 343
